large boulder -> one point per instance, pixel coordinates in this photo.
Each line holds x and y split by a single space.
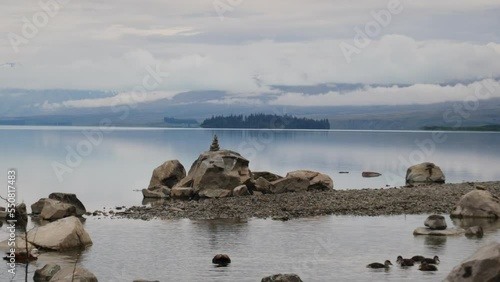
36 208
435 222
240 191
54 210
483 265
217 170
182 192
168 174
269 176
69 198
63 234
282 278
262 185
424 173
74 274
477 203
289 184
317 181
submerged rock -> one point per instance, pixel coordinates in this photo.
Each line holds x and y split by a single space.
474 231
74 274
282 278
477 203
446 232
370 174
424 173
46 272
483 265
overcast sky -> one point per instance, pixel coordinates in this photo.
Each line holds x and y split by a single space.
245 46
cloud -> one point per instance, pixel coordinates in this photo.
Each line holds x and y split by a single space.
395 95
125 98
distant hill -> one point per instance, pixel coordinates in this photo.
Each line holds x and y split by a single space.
264 121
490 127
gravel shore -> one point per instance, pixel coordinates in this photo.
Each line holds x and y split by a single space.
361 202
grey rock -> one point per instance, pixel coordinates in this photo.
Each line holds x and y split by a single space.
477 203
240 191
269 176
71 199
182 192
282 278
435 222
483 265
446 232
262 185
46 272
289 184
54 210
317 181
71 274
167 174
424 173
474 231
156 192
215 193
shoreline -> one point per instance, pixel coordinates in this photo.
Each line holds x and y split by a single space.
435 198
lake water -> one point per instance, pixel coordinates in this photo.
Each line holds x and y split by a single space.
104 167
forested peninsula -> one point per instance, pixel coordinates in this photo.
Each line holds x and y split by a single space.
264 121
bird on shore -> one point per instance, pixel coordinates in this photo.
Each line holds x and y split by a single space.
404 262
417 258
386 264
434 260
22 256
221 260
427 267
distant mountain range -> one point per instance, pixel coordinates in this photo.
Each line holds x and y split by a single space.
32 107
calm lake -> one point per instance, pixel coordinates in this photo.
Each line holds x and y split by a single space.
104 167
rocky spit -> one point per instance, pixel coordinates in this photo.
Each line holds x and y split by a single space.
436 198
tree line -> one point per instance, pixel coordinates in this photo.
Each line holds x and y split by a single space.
264 121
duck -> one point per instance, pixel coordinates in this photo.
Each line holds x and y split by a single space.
386 264
434 260
424 266
404 262
22 256
221 260
417 258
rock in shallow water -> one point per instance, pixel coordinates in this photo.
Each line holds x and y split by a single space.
435 222
282 278
167 174
483 265
446 232
63 234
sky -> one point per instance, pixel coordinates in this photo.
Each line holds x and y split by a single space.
244 47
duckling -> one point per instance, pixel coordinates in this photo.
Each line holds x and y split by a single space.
386 264
404 262
427 267
22 257
417 258
434 260
221 260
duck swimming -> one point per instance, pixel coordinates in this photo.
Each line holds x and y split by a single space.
417 258
434 260
386 264
22 256
404 262
427 267
221 260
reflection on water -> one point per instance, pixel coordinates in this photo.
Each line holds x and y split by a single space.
125 158
331 248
